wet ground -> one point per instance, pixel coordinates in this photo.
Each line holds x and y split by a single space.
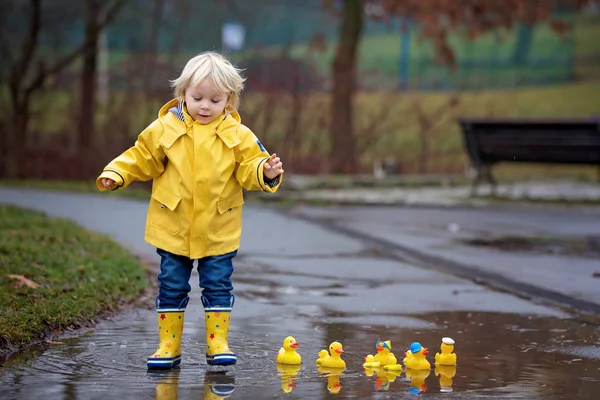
297 278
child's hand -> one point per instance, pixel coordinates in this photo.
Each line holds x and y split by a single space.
273 167
108 183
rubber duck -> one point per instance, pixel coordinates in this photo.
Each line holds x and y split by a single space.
416 359
287 354
370 362
384 357
333 378
446 357
446 373
417 380
288 373
407 356
333 358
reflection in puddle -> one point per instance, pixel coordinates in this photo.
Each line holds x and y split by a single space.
167 383
334 386
383 378
446 373
288 374
417 380
499 355
218 385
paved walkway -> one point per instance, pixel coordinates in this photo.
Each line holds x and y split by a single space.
295 277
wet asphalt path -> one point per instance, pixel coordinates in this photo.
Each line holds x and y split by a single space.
294 277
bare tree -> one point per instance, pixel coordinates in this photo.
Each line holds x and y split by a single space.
97 16
28 72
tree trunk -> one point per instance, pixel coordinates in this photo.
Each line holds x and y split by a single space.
343 146
15 141
88 76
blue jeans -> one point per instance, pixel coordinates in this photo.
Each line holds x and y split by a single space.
215 279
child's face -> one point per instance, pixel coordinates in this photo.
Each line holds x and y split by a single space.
204 103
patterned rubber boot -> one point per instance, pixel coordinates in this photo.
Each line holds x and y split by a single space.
217 329
170 329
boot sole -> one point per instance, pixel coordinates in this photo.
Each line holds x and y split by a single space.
221 359
163 363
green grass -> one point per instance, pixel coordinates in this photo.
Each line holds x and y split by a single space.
81 276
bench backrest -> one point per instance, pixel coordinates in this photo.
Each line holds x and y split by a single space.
567 142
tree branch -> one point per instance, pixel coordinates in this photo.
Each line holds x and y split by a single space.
43 74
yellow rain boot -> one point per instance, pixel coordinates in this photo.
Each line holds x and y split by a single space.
217 329
170 329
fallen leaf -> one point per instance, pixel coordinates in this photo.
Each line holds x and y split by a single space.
22 281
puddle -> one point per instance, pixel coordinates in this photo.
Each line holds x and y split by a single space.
499 355
584 247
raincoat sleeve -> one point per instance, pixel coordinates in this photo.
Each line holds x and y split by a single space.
143 161
250 159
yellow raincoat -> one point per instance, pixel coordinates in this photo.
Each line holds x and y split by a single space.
198 171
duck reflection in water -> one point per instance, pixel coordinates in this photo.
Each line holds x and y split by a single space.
333 378
446 373
417 380
288 373
383 377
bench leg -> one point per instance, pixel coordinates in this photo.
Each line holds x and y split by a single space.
475 182
492 181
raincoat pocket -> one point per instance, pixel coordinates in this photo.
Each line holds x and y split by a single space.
162 210
229 218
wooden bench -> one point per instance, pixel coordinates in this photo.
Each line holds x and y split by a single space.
490 141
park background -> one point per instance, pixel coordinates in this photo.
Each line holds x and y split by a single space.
80 80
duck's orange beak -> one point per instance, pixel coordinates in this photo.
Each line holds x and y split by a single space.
339 351
425 351
379 347
292 385
294 345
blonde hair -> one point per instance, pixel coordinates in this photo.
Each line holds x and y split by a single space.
226 77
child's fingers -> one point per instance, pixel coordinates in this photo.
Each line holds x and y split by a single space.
267 166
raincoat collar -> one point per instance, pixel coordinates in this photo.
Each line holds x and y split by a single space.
174 113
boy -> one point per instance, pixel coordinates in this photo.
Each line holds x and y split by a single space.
199 156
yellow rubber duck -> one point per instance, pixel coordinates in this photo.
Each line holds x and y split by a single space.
333 378
287 354
407 356
333 358
446 357
417 360
446 373
417 380
384 357
288 373
370 362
